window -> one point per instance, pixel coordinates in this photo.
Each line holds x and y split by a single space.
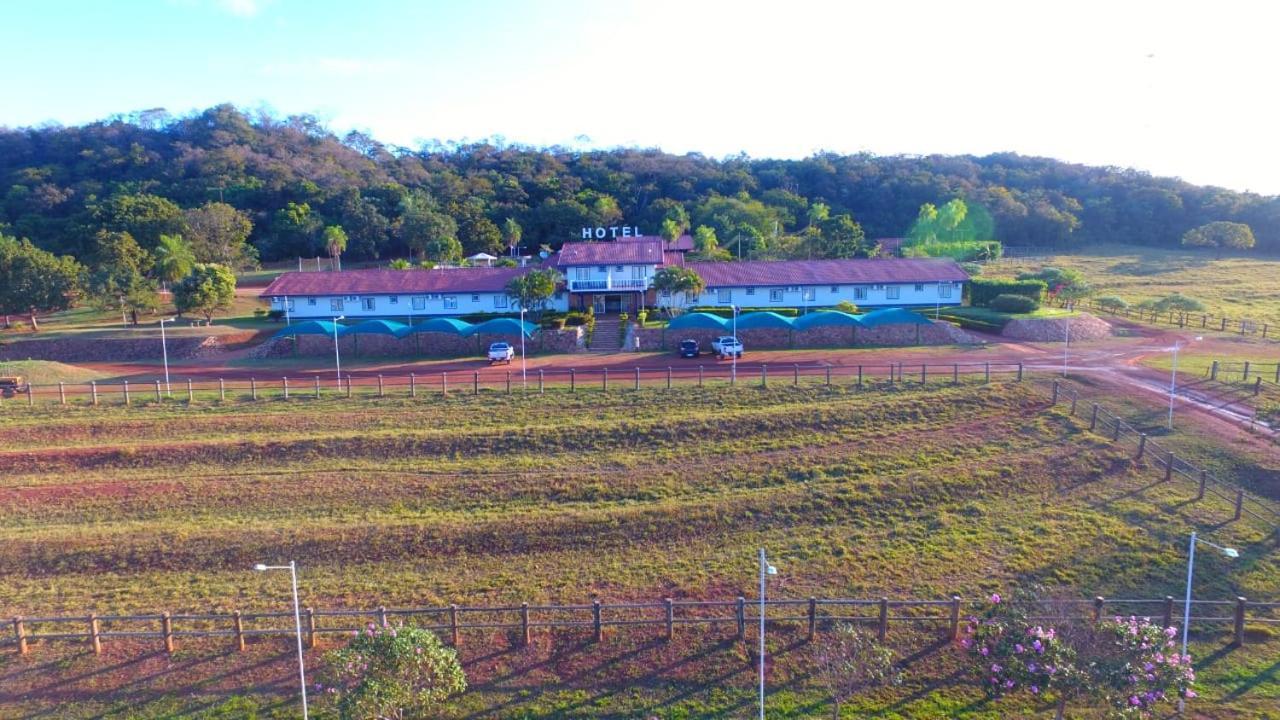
859 293
311 302
289 303
450 302
603 268
368 304
944 290
808 295
475 298
637 272
582 273
419 303
751 291
724 295
835 288
919 287
793 288
499 300
892 292
395 300
877 287
775 295
335 304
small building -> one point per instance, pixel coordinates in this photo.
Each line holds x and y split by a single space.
871 282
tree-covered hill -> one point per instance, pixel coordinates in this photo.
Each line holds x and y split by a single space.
222 176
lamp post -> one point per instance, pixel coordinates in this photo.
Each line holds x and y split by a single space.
1191 566
164 351
287 319
734 369
337 359
1173 379
524 370
765 570
297 625
1066 346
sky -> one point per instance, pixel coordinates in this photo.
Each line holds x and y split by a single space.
1185 89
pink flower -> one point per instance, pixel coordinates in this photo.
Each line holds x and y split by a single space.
1035 690
995 598
1189 693
984 651
1018 648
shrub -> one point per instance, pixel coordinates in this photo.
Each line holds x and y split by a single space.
851 660
392 672
1013 304
1112 303
845 306
972 268
1179 303
983 290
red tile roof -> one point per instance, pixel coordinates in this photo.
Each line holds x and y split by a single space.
643 252
683 243
828 272
387 281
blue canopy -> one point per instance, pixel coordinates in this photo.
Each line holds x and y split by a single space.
312 327
503 326
377 327
698 321
826 318
763 321
453 326
893 316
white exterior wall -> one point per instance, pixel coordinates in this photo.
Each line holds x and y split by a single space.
429 305
825 296
593 274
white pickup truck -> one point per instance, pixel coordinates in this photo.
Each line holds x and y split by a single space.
726 346
501 352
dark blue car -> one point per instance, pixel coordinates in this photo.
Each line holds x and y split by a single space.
689 348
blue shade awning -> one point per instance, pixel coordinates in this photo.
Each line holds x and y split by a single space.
377 327
312 327
452 326
762 321
826 318
893 316
698 321
503 326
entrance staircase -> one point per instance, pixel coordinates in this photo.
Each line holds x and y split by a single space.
608 334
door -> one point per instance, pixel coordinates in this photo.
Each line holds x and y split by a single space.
612 304
598 303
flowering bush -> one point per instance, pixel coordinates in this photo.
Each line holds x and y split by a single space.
1131 663
392 672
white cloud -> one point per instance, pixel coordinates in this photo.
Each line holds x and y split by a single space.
242 8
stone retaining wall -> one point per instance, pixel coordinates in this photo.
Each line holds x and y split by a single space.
1083 327
433 344
935 333
72 350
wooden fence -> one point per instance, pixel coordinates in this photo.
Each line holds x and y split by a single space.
1228 370
1106 423
810 616
1186 320
508 381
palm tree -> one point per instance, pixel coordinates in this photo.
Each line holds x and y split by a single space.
335 242
400 264
174 259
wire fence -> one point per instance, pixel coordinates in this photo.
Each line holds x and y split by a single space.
190 391
1186 320
665 617
1243 371
1106 423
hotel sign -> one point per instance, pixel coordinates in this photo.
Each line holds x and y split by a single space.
615 231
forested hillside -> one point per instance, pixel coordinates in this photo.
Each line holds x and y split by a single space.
223 176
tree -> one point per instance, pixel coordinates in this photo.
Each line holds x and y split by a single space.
335 243
1065 284
392 673
34 281
427 231
400 264
118 278
950 217
534 288
1236 236
208 289
293 231
511 235
706 246
219 233
818 214
670 231
850 661
842 238
145 217
672 281
173 259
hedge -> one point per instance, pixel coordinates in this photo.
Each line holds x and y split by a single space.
1010 303
982 291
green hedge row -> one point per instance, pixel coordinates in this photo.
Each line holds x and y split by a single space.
981 291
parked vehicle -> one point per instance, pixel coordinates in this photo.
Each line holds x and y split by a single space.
501 352
689 349
726 346
12 385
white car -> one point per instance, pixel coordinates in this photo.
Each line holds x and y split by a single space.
726 346
501 352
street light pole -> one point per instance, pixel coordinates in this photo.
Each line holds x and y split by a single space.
524 370
765 570
739 352
1173 380
337 359
297 625
1066 346
164 350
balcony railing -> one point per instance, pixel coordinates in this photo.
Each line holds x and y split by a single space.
610 284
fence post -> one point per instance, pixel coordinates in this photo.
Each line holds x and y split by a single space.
317 384
284 384
604 380
1246 372
311 627
222 388
382 616
671 619
20 633
31 401
253 388
1204 480
955 374
1055 392
1213 370
828 375
668 377
453 625
348 384
524 624
508 382
764 375
924 373
444 384
1239 622
699 376
1239 504
238 621
413 386
126 393
1093 419
741 615
573 380
95 634
540 381
859 376
1142 445
954 631
166 631
1167 617
813 617
1257 386
1224 325
795 380
637 385
1168 466
93 388
595 620
883 628
1074 397
380 391
1098 602
191 393
986 378
475 382
159 398
1278 373
62 393
1115 437
1019 371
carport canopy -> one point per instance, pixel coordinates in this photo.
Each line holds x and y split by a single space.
453 326
698 321
377 327
893 316
503 326
826 318
312 327
763 321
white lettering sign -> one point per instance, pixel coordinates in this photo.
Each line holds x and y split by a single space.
614 231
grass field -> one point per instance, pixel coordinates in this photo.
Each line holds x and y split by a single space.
47 372
1237 287
627 496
